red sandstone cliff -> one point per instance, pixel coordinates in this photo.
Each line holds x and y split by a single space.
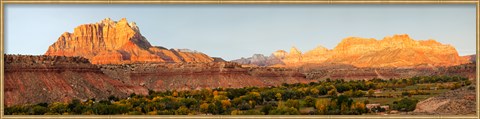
36 79
112 42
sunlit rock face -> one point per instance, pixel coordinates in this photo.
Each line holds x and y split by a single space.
117 42
393 51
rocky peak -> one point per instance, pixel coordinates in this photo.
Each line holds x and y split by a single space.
116 42
280 54
185 50
134 26
398 40
401 36
429 42
256 56
317 50
107 22
353 41
295 51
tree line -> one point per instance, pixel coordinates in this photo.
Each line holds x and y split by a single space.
325 97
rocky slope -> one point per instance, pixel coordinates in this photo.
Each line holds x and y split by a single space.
192 76
457 102
471 58
35 79
394 51
112 42
348 72
260 60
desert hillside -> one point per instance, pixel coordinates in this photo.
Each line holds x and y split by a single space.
456 102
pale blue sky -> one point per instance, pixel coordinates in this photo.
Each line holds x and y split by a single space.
235 31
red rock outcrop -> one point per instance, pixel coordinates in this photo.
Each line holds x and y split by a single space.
112 42
471 58
395 51
192 76
36 79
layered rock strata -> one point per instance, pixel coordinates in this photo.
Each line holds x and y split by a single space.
117 42
37 79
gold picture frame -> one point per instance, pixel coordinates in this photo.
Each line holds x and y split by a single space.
219 2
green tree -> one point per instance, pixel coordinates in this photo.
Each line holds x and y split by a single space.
348 93
292 103
284 111
321 106
251 112
182 111
310 101
76 107
57 108
405 104
322 90
204 107
333 92
38 110
266 108
113 98
278 96
370 92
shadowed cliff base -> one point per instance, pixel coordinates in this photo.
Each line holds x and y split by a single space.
35 79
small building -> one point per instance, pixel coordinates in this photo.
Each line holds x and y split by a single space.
371 106
378 91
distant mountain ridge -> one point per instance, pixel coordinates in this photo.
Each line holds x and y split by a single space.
471 58
394 51
117 42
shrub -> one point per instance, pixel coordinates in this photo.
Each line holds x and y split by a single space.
405 104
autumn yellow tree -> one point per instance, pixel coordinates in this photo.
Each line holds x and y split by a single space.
278 96
175 94
182 111
332 92
215 93
359 107
204 107
321 105
226 104
314 91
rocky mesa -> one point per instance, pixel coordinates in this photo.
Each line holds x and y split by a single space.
392 51
117 42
